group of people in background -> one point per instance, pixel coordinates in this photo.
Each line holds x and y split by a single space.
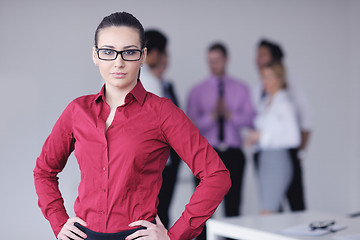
273 114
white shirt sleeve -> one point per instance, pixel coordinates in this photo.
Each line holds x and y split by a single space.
256 92
150 82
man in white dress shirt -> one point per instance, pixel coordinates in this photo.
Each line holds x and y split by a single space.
151 77
156 48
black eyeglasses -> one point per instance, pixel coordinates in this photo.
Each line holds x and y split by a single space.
111 54
321 224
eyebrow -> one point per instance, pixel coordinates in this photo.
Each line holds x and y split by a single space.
130 46
126 47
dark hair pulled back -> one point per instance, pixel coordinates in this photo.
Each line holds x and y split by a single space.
119 19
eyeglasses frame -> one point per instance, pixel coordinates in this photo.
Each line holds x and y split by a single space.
119 52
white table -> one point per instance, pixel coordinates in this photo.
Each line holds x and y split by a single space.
268 227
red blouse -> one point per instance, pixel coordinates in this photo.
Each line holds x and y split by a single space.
121 171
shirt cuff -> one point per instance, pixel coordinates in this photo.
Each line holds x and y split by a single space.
57 221
264 140
182 231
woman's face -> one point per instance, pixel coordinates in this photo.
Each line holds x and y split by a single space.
119 73
263 56
271 82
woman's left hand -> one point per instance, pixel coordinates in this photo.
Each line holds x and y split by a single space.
252 138
152 232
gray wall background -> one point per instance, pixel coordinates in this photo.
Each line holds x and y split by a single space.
46 62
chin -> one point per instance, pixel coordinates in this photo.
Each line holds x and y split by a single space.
121 84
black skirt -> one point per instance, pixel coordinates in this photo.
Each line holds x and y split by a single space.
92 235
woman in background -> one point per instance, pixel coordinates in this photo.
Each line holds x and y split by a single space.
276 131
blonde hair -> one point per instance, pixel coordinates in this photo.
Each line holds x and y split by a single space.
279 71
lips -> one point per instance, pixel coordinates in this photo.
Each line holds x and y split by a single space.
118 74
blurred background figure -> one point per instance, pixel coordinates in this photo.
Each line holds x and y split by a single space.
267 52
220 106
156 43
152 78
276 132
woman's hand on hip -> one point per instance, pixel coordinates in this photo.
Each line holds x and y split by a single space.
153 231
69 230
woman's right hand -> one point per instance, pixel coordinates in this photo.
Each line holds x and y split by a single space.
69 229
